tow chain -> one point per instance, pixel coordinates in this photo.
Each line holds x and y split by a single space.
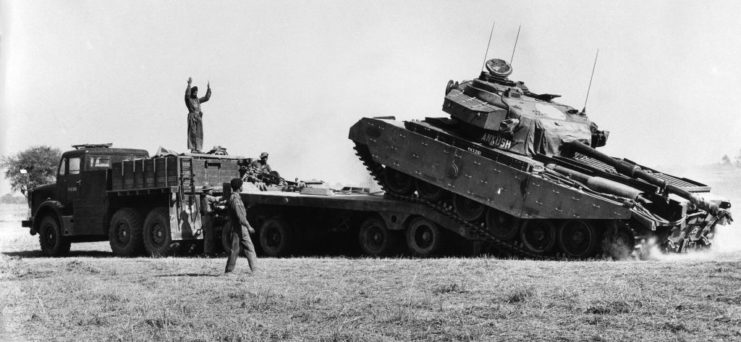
376 170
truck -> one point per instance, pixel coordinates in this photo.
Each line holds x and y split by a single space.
148 205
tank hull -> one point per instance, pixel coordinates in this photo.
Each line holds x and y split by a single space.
545 206
507 182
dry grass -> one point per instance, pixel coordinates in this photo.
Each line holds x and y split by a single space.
92 296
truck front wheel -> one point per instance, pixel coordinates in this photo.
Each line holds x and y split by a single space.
125 232
157 238
50 237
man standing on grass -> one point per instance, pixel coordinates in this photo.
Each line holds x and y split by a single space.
241 230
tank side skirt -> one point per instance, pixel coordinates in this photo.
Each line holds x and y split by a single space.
505 183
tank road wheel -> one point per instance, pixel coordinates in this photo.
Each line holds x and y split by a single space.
375 239
467 209
276 238
424 238
539 236
618 243
157 238
397 182
502 225
430 192
125 232
50 237
578 239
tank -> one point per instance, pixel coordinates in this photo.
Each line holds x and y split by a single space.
522 171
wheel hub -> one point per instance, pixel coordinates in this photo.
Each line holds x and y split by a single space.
123 233
423 237
274 238
158 235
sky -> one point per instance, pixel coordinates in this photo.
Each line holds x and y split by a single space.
291 77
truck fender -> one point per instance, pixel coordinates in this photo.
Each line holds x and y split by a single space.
52 207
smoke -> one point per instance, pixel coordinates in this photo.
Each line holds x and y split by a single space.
726 184
727 243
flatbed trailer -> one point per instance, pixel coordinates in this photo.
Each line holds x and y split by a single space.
294 223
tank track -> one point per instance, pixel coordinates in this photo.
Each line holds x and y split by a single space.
376 171
514 248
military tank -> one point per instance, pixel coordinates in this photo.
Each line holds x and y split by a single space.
522 172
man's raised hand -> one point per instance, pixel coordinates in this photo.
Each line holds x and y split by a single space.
189 80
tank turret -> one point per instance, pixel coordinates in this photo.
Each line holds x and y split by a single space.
501 113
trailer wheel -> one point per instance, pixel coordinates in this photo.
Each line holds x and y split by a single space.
468 209
157 238
424 238
397 182
125 232
50 237
578 238
502 225
276 238
539 236
375 239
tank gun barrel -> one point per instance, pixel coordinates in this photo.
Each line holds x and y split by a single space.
635 171
598 183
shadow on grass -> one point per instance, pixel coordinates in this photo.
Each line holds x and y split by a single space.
73 254
188 275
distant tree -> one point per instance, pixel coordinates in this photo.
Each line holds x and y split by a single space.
725 160
39 163
10 199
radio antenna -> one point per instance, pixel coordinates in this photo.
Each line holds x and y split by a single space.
487 45
515 47
584 110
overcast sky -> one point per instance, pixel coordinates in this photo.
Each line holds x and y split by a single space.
291 77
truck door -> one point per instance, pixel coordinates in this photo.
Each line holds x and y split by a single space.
91 202
68 181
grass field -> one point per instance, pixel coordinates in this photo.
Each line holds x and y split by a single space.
93 296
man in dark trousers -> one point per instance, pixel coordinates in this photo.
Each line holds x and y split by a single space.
208 205
195 122
241 230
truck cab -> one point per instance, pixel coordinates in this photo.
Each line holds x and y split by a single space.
75 209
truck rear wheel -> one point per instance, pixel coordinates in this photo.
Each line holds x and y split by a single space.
157 238
424 238
50 237
276 237
375 239
125 232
